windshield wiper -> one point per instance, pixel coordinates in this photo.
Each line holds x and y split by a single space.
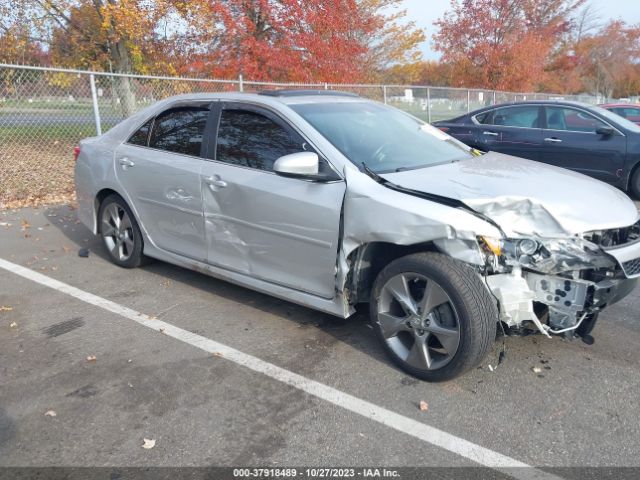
372 174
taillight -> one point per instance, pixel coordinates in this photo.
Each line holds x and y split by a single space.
76 152
444 129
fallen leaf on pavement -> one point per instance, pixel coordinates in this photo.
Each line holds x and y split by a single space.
148 443
13 325
50 413
5 308
424 406
66 249
91 358
217 354
536 369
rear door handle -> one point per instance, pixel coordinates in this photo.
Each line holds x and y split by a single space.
125 162
553 140
491 134
215 181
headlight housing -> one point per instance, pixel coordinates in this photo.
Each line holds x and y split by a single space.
551 256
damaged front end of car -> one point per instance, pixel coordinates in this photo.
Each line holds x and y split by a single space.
552 261
558 286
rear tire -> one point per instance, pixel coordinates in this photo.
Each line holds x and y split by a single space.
433 315
120 233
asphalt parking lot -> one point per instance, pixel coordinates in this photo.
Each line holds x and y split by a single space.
60 406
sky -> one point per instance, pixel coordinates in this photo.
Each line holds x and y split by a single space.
425 12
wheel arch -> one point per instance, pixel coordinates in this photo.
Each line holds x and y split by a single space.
634 170
97 201
366 262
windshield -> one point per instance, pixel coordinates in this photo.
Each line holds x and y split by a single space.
383 138
617 119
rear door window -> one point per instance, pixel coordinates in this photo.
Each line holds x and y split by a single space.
180 130
525 116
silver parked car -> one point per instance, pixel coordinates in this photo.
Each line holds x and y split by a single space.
329 200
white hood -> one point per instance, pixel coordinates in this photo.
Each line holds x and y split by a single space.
525 197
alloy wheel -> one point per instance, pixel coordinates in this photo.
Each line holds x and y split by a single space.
418 321
117 231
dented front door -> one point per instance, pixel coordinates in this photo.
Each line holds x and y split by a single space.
282 230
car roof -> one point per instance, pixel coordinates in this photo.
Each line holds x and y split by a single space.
605 105
270 97
561 103
570 103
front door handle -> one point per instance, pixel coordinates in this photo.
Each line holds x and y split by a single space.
215 181
491 134
125 162
553 140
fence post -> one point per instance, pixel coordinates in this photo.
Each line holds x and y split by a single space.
326 86
96 111
494 97
240 83
384 93
468 100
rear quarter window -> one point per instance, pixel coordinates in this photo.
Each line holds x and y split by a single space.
141 136
484 117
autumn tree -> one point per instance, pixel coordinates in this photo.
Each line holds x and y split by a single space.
425 72
107 34
609 60
296 40
502 44
391 40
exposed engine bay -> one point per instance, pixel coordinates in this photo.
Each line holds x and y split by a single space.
555 286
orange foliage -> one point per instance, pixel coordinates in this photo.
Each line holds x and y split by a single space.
296 40
502 44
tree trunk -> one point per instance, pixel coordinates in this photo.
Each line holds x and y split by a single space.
124 90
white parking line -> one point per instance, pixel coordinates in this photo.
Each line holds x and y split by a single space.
406 425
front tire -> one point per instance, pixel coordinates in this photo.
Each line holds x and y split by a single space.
634 186
433 315
120 233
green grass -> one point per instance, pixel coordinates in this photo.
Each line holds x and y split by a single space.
46 133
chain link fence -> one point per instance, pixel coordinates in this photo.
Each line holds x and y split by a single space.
45 112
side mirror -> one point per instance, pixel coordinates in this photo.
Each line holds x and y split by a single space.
303 165
605 130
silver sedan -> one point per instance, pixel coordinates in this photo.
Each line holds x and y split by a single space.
330 200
